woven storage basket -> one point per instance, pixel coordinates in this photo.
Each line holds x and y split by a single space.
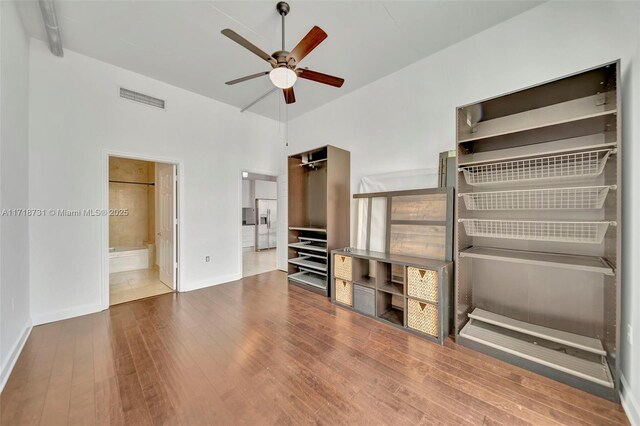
342 266
344 292
423 317
422 283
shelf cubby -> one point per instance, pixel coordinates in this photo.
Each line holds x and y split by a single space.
390 307
387 282
363 272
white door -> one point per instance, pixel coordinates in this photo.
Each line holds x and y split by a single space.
166 222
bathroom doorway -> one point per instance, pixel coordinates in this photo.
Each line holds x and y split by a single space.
142 229
259 223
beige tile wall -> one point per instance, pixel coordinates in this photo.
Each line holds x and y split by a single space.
138 228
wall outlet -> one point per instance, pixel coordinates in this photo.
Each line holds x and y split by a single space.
207 259
629 334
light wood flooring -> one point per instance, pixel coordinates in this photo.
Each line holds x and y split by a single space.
258 262
261 352
134 285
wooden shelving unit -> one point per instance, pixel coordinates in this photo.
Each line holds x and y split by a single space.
538 229
389 298
318 216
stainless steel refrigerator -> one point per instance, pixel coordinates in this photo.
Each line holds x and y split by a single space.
267 224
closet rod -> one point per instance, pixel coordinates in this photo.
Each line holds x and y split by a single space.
132 183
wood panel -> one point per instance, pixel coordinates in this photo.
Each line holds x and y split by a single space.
430 207
259 351
419 240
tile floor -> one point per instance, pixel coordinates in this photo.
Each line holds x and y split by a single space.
133 285
258 262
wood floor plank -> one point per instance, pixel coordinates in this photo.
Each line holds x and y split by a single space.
258 351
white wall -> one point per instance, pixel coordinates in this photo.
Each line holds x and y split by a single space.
402 122
15 319
77 115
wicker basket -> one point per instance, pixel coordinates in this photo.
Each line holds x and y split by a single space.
423 284
344 292
342 266
423 317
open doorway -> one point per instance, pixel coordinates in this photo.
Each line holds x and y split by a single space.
142 229
259 223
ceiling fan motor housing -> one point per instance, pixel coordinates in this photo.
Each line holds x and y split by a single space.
281 58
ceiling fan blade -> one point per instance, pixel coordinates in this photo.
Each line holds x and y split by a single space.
249 77
289 96
307 44
247 45
320 78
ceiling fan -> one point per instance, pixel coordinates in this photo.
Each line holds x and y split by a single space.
284 64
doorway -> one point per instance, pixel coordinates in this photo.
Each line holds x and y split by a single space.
142 229
259 223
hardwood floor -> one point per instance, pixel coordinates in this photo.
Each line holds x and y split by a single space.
258 351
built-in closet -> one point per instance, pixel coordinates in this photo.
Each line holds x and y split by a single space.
319 206
538 235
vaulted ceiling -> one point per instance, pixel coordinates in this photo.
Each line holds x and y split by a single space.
179 42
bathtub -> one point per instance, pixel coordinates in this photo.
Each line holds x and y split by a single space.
123 259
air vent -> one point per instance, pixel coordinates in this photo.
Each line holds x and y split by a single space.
143 99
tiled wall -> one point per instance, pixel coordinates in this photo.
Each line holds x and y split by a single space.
136 229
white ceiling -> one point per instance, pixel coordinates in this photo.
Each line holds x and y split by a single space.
179 42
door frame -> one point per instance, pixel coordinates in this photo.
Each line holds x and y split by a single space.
239 212
180 207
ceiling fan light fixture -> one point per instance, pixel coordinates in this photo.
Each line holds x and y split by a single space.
283 78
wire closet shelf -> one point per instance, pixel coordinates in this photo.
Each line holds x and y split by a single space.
560 231
551 168
587 197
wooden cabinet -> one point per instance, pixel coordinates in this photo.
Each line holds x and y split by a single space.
407 292
318 215
539 226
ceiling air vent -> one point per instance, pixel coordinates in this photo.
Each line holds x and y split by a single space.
143 99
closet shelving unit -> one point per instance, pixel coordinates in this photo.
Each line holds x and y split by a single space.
319 202
407 292
538 235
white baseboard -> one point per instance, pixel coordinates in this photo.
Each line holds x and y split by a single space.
630 403
64 314
10 362
211 282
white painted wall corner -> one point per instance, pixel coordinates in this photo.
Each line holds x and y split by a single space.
10 362
629 403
